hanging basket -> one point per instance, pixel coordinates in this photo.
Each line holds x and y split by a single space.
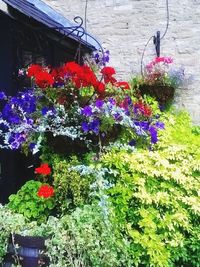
66 146
163 94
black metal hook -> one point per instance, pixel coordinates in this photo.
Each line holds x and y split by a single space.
156 41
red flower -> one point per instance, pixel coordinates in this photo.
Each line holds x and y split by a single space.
58 74
144 109
72 68
99 87
43 79
123 85
108 72
44 169
87 75
45 191
33 70
84 77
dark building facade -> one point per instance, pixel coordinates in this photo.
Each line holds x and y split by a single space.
31 32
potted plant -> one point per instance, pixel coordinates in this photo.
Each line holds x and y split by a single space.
160 80
69 112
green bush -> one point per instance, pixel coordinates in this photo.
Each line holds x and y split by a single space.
155 195
72 189
86 238
9 223
28 203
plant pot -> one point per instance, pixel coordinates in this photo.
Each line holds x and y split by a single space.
27 251
162 93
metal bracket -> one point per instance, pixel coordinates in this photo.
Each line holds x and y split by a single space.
156 41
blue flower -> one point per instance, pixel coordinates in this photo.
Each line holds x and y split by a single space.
85 127
99 104
160 124
118 117
112 101
2 96
47 110
32 146
87 111
154 134
94 126
132 142
16 139
144 125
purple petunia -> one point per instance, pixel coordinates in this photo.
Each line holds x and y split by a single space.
87 111
2 96
154 134
94 126
85 126
32 146
160 124
47 110
99 103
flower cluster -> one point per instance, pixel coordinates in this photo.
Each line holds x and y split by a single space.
44 169
75 102
101 116
160 72
45 191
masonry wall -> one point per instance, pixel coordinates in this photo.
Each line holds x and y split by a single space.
124 27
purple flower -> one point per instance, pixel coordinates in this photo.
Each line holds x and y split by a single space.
94 126
87 111
144 125
132 142
102 59
160 124
2 96
46 110
85 126
32 146
112 101
118 117
154 134
99 104
16 139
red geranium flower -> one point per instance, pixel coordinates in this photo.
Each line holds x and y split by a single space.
72 68
45 191
44 169
144 109
43 79
123 85
108 73
58 74
33 70
99 87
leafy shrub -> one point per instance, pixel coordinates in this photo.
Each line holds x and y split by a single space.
9 223
86 238
72 189
28 203
155 195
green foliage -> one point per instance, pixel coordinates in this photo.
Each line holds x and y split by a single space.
86 238
72 189
149 214
28 203
156 200
178 130
9 223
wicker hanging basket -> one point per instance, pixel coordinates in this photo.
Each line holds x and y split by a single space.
163 94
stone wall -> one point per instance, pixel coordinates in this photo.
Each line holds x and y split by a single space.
124 26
